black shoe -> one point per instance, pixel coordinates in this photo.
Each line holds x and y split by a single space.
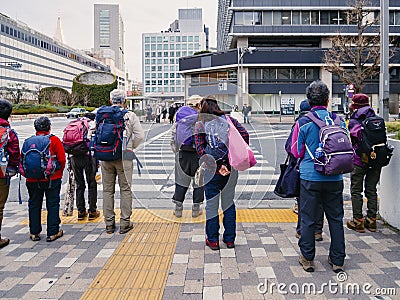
93 215
125 229
110 229
82 215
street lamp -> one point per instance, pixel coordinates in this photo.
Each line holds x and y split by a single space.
241 76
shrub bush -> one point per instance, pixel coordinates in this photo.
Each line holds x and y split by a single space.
393 126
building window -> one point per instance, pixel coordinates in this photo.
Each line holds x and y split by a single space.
159 39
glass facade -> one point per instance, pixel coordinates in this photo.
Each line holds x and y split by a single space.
44 62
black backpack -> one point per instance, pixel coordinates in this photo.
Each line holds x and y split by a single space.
374 149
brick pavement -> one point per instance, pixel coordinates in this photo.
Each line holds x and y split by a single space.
265 253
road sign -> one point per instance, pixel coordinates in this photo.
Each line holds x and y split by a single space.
350 90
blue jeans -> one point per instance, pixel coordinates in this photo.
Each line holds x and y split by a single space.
36 191
329 194
224 186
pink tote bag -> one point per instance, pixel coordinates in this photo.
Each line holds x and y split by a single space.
241 157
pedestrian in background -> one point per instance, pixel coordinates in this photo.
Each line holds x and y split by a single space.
48 186
171 113
186 158
9 151
304 109
315 188
122 168
364 177
81 164
246 111
220 182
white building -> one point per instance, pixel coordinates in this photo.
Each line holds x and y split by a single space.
161 52
34 60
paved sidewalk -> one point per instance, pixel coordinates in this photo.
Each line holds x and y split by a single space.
162 259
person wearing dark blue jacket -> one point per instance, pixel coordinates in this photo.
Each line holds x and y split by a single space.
315 188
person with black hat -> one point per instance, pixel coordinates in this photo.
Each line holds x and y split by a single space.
9 151
363 178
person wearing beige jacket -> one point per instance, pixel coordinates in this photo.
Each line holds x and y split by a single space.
133 137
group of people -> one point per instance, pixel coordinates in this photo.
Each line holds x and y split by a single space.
322 193
43 158
200 141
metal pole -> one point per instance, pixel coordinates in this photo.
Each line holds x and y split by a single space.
239 90
384 67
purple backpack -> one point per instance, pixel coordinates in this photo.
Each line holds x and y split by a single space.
337 150
186 117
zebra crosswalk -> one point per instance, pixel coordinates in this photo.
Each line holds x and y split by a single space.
157 180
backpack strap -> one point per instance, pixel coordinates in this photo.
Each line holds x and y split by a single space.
320 123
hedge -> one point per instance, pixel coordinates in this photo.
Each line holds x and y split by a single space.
97 95
24 109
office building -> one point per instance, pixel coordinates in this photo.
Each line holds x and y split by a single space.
290 38
33 60
161 52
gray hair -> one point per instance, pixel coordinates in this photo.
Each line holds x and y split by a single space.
317 93
117 96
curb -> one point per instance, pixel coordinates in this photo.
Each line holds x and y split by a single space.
14 118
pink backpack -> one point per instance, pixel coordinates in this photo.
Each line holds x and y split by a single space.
240 156
75 137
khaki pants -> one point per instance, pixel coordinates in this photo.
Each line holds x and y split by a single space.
4 189
109 171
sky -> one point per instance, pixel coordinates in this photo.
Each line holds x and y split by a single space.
77 21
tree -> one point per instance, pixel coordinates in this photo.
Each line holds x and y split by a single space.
16 92
355 58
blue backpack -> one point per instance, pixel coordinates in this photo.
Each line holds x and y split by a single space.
108 139
36 161
216 132
186 117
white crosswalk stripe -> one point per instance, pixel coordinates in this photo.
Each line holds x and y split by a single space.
157 179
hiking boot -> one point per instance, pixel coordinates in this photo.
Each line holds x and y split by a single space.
318 236
295 208
370 224
4 242
335 268
178 210
196 210
110 229
93 215
212 245
298 235
53 237
230 244
125 229
356 224
308 265
34 237
82 215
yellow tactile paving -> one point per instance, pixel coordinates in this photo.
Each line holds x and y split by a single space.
139 267
166 216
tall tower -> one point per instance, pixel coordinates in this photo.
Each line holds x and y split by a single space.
59 36
109 33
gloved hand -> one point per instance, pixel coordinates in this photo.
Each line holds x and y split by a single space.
11 171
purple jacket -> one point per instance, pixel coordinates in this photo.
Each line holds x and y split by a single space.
355 129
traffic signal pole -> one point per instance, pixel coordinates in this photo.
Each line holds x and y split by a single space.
384 67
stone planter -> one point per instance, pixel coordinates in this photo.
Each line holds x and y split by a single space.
389 206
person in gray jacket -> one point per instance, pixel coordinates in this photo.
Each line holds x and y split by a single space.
122 168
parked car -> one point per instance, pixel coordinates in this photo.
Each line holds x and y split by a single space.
76 112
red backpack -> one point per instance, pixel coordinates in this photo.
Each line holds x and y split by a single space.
75 137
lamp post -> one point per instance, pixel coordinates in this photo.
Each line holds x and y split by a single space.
241 76
384 67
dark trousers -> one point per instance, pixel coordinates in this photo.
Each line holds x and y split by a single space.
36 192
88 165
4 189
223 186
186 165
364 178
329 194
319 222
